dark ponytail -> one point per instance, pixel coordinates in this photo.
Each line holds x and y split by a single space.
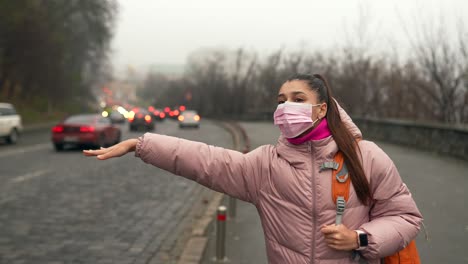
346 142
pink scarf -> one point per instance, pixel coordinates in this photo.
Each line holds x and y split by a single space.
320 132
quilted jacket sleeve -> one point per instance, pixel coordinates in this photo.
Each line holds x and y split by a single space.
394 217
223 170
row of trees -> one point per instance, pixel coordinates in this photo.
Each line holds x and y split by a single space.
430 84
53 49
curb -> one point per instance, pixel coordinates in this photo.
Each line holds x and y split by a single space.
196 245
245 137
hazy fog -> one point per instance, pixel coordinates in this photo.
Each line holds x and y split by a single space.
152 32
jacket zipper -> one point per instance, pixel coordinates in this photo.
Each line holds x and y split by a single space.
314 209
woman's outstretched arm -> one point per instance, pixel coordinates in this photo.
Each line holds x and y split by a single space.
223 170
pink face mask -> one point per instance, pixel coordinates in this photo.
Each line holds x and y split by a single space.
294 119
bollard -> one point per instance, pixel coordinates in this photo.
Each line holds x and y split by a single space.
232 207
221 234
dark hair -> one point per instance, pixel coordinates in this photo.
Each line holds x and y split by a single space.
346 142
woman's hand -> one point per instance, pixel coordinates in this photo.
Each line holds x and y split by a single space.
117 150
339 237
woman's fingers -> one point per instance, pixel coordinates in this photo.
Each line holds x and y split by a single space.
339 237
329 229
115 151
95 152
106 155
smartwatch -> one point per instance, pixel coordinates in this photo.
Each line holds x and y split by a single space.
362 239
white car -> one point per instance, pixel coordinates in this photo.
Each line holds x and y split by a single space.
10 123
189 118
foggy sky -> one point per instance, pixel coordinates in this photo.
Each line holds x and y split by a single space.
167 31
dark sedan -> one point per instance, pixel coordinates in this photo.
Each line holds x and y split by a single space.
91 130
158 115
140 119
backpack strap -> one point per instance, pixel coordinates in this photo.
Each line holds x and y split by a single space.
340 186
340 194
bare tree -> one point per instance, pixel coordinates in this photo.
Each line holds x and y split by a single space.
462 34
241 80
360 78
52 50
442 59
208 80
269 79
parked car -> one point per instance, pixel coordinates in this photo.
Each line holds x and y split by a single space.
189 118
140 119
92 130
10 123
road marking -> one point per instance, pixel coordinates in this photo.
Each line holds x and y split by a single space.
22 150
29 176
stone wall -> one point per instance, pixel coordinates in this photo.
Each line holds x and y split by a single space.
442 139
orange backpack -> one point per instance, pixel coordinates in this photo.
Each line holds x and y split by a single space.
340 193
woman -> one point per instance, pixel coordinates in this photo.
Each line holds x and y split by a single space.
291 192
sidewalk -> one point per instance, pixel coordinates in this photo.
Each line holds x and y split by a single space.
244 237
245 241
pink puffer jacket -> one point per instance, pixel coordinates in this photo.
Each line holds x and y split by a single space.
293 197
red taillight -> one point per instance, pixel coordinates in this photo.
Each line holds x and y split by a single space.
176 112
156 112
131 119
162 115
182 108
140 115
57 129
86 129
148 118
167 109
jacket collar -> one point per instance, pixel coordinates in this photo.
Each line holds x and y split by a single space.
321 150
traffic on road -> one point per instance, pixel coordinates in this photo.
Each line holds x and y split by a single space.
59 207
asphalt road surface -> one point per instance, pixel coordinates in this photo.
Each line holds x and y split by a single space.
63 207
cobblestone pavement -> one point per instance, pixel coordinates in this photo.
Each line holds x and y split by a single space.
58 208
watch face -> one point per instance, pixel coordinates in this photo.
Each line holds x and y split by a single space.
363 240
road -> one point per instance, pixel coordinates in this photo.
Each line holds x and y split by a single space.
66 208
